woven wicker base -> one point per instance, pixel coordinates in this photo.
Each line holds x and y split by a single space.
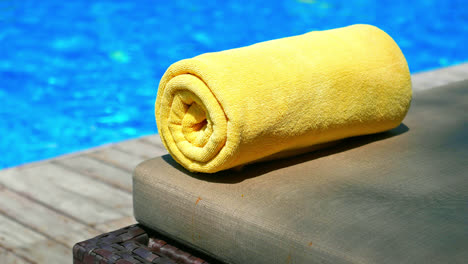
135 244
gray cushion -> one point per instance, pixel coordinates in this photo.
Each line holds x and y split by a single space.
395 197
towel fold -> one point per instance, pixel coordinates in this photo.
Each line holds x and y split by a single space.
281 97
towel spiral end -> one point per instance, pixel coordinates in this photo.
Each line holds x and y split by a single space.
195 127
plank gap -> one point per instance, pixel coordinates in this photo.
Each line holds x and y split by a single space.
47 206
31 228
12 252
115 164
93 176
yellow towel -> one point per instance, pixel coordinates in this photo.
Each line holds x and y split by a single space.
280 97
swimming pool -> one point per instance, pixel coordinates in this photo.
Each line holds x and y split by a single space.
78 74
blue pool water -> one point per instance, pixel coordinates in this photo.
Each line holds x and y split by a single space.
77 74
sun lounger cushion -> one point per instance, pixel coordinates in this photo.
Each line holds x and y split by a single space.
395 197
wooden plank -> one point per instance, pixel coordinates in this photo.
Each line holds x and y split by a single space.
8 257
153 139
140 148
104 172
43 220
86 199
435 78
116 224
31 245
117 158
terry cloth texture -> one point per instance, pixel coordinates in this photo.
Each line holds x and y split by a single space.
395 197
280 97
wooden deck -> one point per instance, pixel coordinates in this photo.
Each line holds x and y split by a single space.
48 206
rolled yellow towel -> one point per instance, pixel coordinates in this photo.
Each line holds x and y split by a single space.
280 97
